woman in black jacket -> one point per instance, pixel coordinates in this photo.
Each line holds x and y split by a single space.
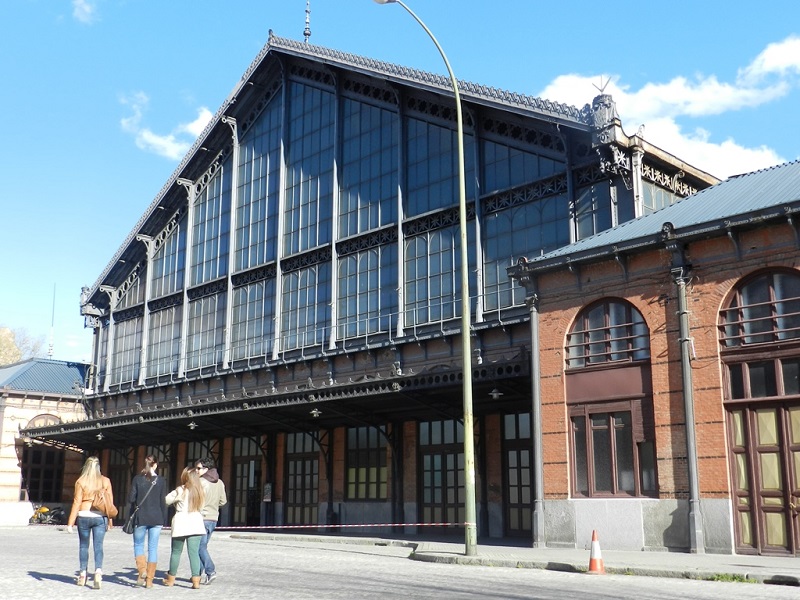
148 491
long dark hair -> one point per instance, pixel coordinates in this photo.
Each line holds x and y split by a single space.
149 462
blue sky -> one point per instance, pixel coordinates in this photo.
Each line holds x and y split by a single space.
102 98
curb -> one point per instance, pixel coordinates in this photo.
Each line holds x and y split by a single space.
486 561
425 552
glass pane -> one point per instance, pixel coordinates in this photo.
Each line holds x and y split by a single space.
770 471
745 524
579 455
524 426
601 447
796 464
794 424
775 525
647 466
767 427
762 380
738 428
623 440
791 377
736 381
741 472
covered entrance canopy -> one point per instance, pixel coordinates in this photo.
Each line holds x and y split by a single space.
375 402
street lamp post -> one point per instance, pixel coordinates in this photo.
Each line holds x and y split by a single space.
470 519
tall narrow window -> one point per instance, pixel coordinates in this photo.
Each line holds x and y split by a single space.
259 176
205 340
368 198
169 262
309 170
527 230
253 326
366 463
211 228
164 341
367 292
306 309
432 173
433 268
610 406
127 350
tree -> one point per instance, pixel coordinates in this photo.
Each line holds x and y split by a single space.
17 345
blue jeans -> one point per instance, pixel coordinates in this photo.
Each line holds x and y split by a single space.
96 527
205 557
153 532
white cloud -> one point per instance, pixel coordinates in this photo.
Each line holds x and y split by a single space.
84 11
781 58
173 145
659 106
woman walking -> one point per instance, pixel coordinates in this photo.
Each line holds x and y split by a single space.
147 499
93 508
187 525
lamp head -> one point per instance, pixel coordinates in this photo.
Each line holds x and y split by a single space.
385 1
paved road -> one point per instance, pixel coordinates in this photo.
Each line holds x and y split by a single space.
41 562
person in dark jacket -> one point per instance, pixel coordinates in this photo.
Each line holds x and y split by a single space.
215 498
148 491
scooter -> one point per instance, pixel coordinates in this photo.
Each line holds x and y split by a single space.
48 516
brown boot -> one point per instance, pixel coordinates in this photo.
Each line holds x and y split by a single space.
151 573
169 580
141 563
196 583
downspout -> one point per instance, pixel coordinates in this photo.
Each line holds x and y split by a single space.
528 280
532 300
696 537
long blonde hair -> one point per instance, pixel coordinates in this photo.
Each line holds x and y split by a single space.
191 483
91 479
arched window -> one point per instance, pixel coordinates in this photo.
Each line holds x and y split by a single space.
607 331
42 467
759 337
763 310
609 401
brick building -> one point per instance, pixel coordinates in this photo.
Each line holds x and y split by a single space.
678 331
35 393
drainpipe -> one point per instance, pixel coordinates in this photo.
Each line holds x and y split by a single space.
536 399
696 538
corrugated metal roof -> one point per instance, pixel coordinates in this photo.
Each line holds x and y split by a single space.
45 376
737 200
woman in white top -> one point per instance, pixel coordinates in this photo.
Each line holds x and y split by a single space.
187 525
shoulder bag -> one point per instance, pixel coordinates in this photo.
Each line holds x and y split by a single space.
99 503
130 524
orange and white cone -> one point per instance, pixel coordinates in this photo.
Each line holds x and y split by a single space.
595 558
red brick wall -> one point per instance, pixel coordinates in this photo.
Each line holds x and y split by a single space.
649 287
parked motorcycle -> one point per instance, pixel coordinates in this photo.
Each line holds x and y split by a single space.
48 516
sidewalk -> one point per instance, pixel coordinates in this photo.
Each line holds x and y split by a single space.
499 553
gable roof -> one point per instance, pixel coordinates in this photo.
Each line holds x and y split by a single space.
45 376
772 193
550 111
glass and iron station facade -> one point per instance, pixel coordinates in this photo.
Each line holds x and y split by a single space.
290 304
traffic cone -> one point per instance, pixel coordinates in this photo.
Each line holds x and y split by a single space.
595 558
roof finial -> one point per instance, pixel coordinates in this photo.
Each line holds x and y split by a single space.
307 30
603 86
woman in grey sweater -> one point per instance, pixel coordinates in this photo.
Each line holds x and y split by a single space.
147 498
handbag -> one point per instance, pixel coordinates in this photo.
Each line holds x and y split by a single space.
99 503
130 524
